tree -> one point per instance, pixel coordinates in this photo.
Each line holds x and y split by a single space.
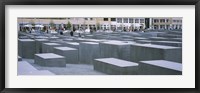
98 26
52 24
32 22
69 25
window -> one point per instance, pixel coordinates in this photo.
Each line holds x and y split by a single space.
162 20
141 20
119 20
174 20
125 20
136 20
156 20
86 18
113 19
91 18
167 20
130 20
105 19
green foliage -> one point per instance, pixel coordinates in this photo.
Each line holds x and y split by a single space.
32 23
69 25
98 26
52 24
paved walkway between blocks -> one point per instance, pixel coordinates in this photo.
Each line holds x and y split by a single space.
70 69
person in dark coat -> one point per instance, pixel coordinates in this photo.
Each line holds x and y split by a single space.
71 33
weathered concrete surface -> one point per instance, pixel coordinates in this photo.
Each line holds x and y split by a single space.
167 43
26 48
49 47
144 52
38 44
88 51
115 49
50 60
115 66
160 67
70 54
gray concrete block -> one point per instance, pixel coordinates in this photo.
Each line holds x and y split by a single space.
88 51
167 43
115 49
169 35
160 67
53 38
72 44
38 44
143 41
41 37
144 52
165 39
50 60
19 58
48 47
115 66
70 54
26 48
68 39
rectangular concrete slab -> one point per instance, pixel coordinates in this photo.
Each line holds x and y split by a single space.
72 44
88 51
116 49
38 44
115 66
19 58
48 47
26 48
144 52
50 60
167 43
160 67
70 54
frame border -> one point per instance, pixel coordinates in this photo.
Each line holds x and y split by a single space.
3 3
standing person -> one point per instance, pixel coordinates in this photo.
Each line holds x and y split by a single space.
71 33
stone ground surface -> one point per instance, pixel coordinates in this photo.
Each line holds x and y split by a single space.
70 69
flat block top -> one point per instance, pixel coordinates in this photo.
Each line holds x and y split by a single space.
65 48
67 39
54 37
26 40
117 43
89 43
158 38
117 62
52 44
155 46
72 43
143 40
168 42
41 39
165 64
94 40
139 38
49 55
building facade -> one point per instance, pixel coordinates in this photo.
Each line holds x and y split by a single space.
104 23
